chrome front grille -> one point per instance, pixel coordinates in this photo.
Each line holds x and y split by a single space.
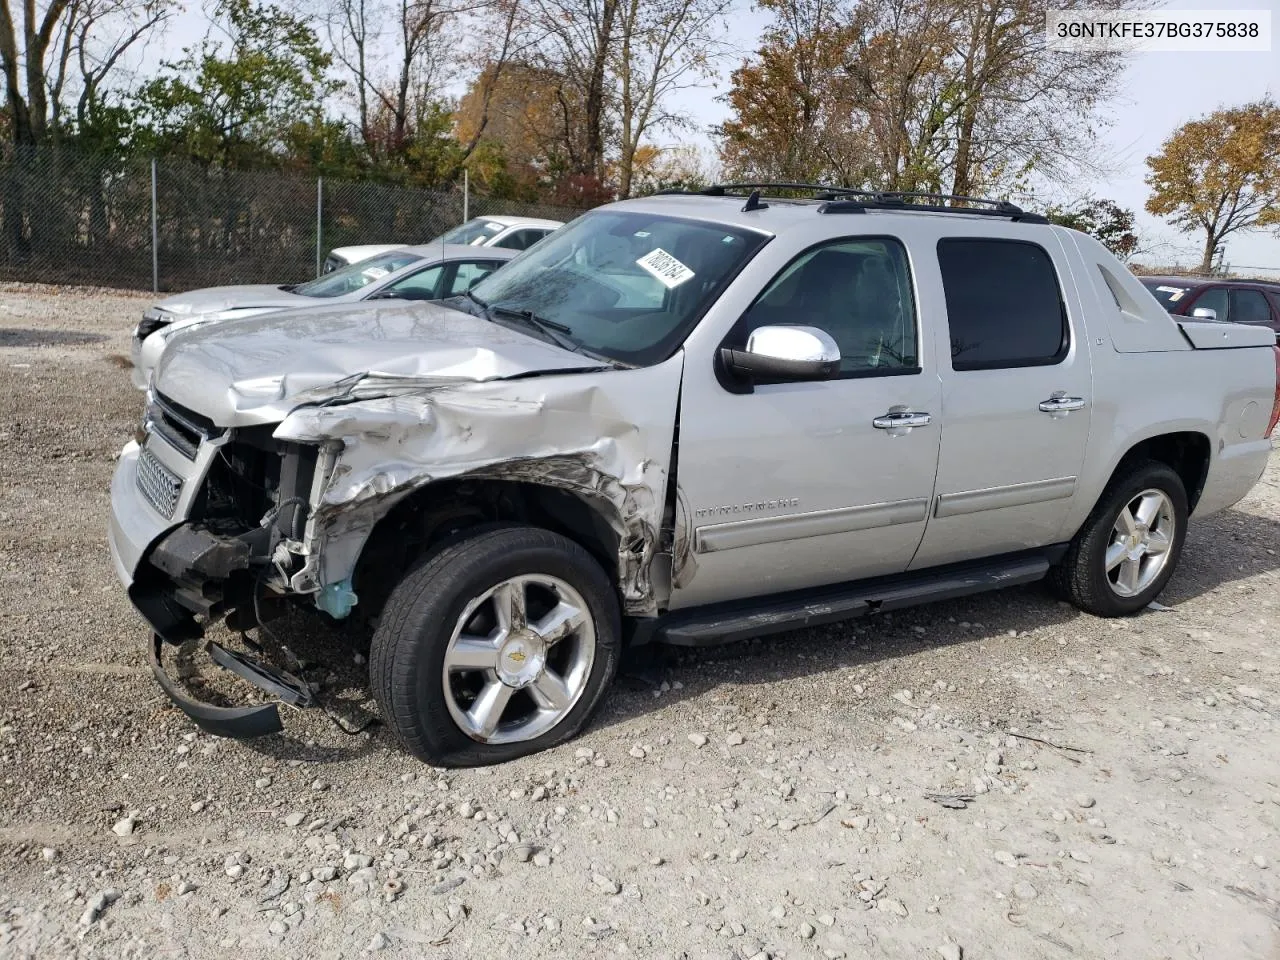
158 484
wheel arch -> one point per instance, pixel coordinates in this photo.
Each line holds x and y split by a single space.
433 515
1186 452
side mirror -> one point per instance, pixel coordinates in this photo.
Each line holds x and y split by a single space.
1204 313
781 352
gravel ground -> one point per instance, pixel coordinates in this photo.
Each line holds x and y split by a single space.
792 798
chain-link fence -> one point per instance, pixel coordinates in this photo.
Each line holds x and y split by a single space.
73 218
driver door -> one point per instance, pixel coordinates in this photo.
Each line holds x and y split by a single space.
793 485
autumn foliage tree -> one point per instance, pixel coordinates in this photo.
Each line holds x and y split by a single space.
1220 174
938 95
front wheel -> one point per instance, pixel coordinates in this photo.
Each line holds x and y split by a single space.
1127 550
497 646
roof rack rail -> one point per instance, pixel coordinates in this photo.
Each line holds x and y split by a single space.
850 200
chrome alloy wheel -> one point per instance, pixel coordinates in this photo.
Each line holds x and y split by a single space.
518 659
1140 543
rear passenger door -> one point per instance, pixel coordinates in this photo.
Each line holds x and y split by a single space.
1016 395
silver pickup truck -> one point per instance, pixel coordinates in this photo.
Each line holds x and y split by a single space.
689 419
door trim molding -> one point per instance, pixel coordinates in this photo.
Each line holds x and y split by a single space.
999 498
715 537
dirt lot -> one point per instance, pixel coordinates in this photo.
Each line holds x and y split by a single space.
768 799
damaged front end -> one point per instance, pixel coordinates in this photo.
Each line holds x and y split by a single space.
235 520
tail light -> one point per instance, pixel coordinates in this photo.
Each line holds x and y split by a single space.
1275 407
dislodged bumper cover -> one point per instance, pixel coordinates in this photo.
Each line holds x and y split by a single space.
239 723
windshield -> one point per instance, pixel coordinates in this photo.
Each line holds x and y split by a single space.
1168 294
475 233
356 275
622 284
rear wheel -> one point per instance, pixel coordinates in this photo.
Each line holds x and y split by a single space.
497 646
1128 549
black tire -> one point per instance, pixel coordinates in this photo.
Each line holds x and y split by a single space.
406 658
1081 576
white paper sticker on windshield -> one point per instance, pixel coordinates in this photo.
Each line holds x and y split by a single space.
669 271
376 273
1175 293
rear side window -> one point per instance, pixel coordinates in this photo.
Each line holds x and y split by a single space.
1004 305
1249 306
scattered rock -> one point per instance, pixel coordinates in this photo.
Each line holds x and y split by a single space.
294 819
1084 800
950 951
806 931
698 740
125 827
97 904
522 853
605 884
380 941
889 905
1025 891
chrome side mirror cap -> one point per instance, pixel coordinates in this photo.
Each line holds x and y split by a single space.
785 353
1204 313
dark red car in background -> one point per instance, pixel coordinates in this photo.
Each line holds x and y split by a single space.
1237 301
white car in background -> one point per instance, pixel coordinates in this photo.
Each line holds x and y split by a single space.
507 233
432 271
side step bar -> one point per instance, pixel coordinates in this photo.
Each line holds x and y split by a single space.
727 622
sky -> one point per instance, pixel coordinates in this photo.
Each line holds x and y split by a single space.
1160 91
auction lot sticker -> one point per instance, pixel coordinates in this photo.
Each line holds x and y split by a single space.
669 271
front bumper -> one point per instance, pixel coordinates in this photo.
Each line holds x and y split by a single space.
162 565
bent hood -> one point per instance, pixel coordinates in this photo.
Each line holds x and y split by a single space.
217 299
254 371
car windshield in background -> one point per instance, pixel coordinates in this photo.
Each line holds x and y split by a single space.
356 275
473 232
624 285
1169 295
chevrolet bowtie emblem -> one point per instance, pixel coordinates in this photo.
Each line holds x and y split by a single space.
517 656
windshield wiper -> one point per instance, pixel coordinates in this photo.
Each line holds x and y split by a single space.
557 333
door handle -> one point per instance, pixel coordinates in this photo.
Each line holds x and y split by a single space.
1059 405
901 422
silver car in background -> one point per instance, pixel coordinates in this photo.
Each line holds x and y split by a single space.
505 233
429 272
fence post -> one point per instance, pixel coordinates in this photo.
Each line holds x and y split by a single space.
319 223
466 194
155 249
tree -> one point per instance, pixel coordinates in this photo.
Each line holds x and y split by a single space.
231 101
65 46
1220 174
790 105
665 46
951 96
1106 221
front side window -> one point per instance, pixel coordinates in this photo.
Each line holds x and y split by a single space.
626 285
1249 306
356 276
477 232
423 285
1004 305
859 291
469 273
1214 299
519 239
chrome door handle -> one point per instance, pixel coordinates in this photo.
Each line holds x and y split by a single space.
901 422
1059 405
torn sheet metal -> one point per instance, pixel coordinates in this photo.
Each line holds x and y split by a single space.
604 436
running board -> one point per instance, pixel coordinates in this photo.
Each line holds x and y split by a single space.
727 622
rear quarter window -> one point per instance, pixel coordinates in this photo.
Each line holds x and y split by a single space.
1004 304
